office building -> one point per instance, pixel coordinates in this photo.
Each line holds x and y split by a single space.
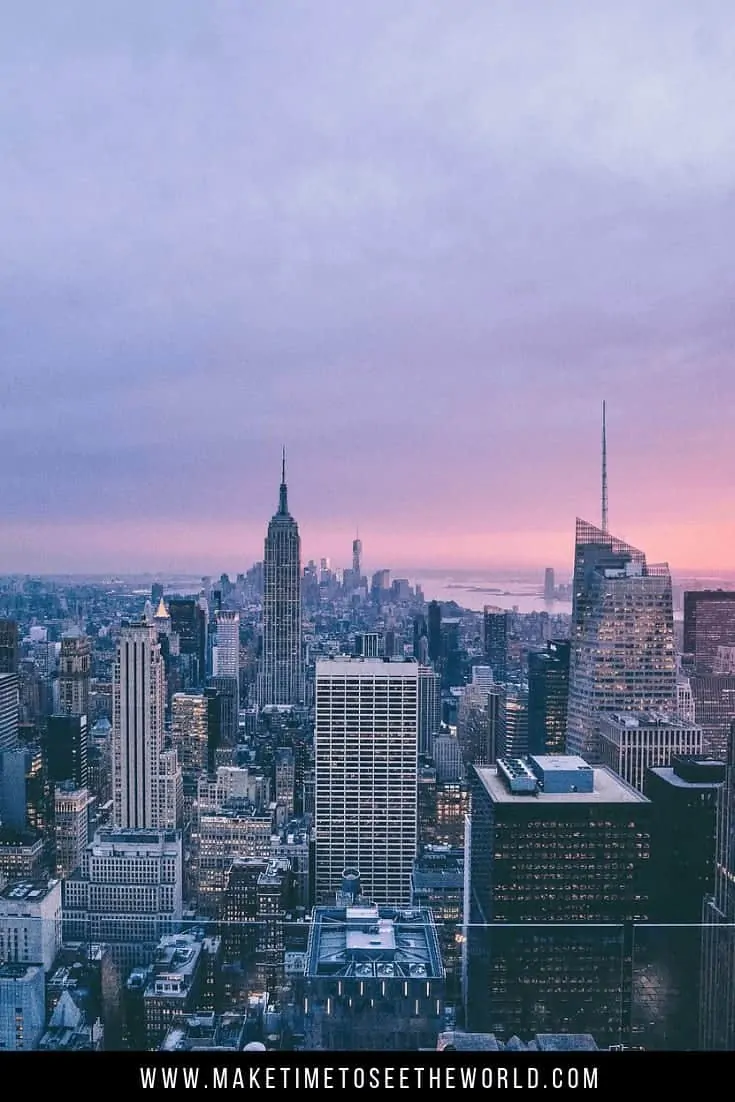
514 736
138 703
495 640
224 713
366 757
22 1007
127 893
632 742
556 856
438 888
622 640
434 616
549 584
226 652
74 673
373 978
714 710
30 922
67 749
368 644
9 702
190 731
548 697
281 675
188 622
430 708
709 623
717 1000
9 646
14 768
71 828
285 781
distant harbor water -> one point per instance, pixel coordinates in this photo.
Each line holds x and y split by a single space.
475 591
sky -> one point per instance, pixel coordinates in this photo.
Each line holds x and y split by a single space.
417 244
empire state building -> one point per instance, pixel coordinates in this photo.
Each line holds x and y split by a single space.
281 678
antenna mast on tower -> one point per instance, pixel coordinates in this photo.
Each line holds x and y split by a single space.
604 471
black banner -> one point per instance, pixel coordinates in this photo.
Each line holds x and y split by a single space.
319 1071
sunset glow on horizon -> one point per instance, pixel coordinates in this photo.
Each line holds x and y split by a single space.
419 246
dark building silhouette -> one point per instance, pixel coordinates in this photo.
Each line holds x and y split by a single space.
714 709
717 999
495 640
683 830
709 623
549 946
9 652
189 623
548 698
66 749
435 631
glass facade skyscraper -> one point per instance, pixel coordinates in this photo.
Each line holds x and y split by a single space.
709 623
622 639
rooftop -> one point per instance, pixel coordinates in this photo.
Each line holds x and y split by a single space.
635 720
367 667
31 891
607 789
373 942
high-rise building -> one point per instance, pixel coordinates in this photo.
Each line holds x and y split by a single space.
127 893
137 727
368 644
224 712
683 799
9 649
9 702
227 644
556 855
434 616
514 735
549 584
430 708
357 559
548 697
632 742
66 749
281 676
717 1005
388 993
189 625
709 623
71 833
74 673
622 639
714 709
495 640
190 731
683 832
366 755
30 922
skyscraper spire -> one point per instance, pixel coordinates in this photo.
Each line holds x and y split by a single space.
283 498
604 471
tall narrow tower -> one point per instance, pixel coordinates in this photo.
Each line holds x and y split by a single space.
281 677
357 558
138 700
604 471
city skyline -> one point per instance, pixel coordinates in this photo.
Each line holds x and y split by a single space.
424 241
